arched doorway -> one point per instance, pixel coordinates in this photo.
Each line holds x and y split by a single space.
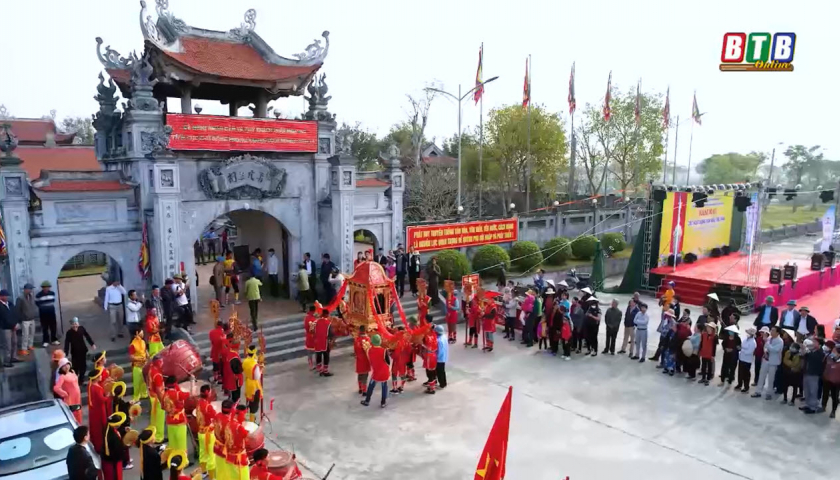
364 240
80 293
245 233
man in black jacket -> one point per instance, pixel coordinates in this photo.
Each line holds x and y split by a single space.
768 315
327 267
9 323
414 267
402 269
808 327
80 465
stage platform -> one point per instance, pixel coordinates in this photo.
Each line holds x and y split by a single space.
695 281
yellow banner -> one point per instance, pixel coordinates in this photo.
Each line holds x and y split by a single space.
687 228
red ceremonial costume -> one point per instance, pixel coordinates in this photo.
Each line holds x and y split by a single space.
430 360
322 345
452 317
488 323
423 306
309 337
236 436
217 350
360 346
473 321
174 400
378 366
115 450
399 370
232 373
97 413
220 425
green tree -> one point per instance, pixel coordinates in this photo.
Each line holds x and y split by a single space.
731 167
363 145
81 126
506 149
632 153
802 161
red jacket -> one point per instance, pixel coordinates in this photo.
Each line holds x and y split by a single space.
378 357
362 362
231 380
430 351
322 334
566 331
473 317
217 344
309 331
488 323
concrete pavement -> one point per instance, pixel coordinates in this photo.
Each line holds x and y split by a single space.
590 418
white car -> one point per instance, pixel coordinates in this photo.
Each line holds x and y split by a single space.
34 440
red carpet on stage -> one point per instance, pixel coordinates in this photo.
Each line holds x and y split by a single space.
824 306
695 281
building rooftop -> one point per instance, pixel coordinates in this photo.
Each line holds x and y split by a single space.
81 181
69 157
38 131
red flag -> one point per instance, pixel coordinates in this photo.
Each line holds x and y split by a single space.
491 464
143 264
638 110
526 90
666 112
607 97
479 85
572 101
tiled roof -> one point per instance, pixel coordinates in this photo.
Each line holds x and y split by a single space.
233 60
440 161
372 182
36 159
85 186
33 131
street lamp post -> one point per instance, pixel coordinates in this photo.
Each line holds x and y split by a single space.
458 99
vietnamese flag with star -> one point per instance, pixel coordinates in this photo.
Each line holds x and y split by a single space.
491 463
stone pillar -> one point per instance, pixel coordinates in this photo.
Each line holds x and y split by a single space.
186 99
261 104
397 179
14 198
166 253
342 192
232 108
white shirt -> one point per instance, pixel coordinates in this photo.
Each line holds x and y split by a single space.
788 321
308 264
113 295
273 264
180 294
133 307
803 325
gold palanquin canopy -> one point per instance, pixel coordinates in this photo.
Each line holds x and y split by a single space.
369 278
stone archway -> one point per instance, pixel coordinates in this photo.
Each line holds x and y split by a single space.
363 240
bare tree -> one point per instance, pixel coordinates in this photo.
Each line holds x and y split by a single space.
590 153
418 117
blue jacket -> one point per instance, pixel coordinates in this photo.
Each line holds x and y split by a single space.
443 349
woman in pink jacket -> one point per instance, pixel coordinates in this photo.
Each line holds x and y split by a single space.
67 387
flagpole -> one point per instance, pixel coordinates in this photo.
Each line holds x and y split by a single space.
676 145
459 146
572 159
690 141
665 165
638 124
528 167
481 140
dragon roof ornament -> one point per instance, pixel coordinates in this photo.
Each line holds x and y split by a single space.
111 59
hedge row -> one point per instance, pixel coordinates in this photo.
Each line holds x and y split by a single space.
490 259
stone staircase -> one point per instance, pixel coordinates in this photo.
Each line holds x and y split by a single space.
283 336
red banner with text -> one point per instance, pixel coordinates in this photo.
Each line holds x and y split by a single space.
426 238
209 132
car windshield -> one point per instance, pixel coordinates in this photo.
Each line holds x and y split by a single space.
36 449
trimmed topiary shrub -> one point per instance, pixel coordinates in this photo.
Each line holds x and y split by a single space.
525 255
613 243
490 256
453 265
557 250
584 247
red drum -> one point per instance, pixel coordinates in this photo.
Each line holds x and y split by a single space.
256 438
280 462
180 360
192 402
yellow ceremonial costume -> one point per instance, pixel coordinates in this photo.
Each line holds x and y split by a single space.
153 330
204 414
253 383
137 352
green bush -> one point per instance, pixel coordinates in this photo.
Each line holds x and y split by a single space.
584 247
557 250
525 255
613 243
490 256
453 264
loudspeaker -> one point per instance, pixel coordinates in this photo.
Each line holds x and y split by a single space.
699 199
775 275
817 260
671 260
830 258
716 252
790 271
726 250
690 258
742 202
660 195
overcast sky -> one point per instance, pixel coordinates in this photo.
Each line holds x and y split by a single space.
382 50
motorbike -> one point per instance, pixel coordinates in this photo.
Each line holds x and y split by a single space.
577 280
